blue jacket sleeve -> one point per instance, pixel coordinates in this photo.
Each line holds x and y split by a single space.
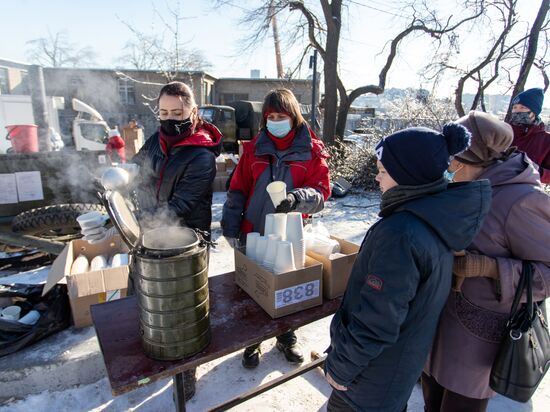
390 277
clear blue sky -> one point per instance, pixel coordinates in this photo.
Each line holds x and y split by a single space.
96 23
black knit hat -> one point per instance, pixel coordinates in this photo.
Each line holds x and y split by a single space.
418 155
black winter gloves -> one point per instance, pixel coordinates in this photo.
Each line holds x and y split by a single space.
287 205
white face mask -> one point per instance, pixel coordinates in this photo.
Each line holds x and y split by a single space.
279 128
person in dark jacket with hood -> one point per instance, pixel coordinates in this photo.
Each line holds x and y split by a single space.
382 332
530 135
287 150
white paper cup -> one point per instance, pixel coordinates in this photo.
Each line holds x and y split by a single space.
285 259
251 239
271 252
279 225
30 318
294 227
268 227
11 312
299 253
261 246
99 262
277 192
295 234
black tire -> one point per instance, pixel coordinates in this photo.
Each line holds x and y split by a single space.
56 221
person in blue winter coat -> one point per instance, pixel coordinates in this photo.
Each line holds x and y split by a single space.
382 332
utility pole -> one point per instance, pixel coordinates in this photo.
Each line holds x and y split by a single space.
40 112
313 64
278 59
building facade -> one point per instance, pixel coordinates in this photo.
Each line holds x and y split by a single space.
121 95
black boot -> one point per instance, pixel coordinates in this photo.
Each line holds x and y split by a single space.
251 357
292 353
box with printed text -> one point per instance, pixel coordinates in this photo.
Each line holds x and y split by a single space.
283 294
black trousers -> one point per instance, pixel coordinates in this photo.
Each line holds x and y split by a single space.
337 404
439 399
286 339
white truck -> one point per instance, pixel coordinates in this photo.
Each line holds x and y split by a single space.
89 129
62 181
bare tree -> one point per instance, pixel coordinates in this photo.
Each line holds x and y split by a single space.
322 31
503 54
56 50
168 52
541 23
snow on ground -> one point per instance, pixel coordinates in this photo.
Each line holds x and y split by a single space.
219 380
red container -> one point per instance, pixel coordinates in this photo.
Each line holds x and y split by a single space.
23 137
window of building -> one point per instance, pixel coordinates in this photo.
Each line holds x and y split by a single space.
231 97
4 81
126 91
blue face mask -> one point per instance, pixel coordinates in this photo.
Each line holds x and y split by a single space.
279 128
450 176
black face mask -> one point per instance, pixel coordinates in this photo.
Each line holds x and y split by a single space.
521 119
173 127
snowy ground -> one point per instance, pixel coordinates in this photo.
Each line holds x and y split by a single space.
348 218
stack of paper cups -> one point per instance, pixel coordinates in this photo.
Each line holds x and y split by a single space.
277 192
261 247
295 234
251 239
285 259
268 228
279 225
271 252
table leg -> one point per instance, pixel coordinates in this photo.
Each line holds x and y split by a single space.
179 392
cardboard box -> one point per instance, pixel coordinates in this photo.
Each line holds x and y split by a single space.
283 294
133 140
89 288
336 271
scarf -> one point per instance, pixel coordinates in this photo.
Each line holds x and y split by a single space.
282 143
172 140
400 194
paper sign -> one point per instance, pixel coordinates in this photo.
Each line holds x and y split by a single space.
8 193
29 186
296 294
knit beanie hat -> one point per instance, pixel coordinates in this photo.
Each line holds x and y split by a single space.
418 155
491 138
532 99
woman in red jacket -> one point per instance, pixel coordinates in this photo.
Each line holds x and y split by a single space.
287 150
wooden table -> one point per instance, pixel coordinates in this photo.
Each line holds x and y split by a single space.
236 322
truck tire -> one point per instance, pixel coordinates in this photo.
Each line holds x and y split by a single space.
56 221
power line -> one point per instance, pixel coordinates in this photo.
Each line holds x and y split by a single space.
378 9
